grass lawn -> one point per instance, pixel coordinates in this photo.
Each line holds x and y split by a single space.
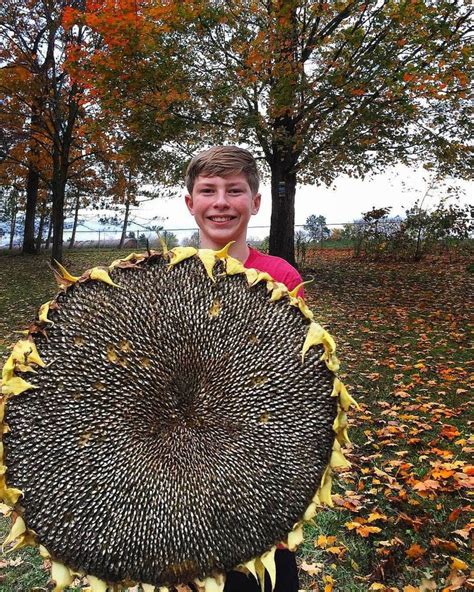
402 516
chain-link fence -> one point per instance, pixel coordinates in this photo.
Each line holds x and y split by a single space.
392 237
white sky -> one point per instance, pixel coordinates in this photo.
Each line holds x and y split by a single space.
343 202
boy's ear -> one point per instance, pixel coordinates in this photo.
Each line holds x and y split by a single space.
256 200
189 202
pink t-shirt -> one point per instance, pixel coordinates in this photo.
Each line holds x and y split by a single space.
278 268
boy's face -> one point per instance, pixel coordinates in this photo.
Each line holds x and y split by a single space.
222 207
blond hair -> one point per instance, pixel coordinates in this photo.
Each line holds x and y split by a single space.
223 161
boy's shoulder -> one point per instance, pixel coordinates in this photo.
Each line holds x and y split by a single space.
278 268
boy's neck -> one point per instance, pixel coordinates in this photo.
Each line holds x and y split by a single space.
239 250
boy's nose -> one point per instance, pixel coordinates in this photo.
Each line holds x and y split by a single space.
220 200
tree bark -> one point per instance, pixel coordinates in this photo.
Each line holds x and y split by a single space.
39 236
282 229
59 187
32 184
12 229
50 232
127 209
74 226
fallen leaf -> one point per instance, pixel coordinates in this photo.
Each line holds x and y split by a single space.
458 564
415 551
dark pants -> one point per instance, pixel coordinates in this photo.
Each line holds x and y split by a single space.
286 576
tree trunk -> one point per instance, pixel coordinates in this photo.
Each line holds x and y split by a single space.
282 229
125 221
39 236
50 232
12 229
59 190
32 184
59 186
74 226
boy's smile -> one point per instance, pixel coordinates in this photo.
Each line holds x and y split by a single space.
222 207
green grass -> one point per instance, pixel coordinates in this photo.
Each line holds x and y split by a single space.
402 338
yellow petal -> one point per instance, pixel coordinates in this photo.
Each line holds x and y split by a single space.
224 252
268 560
148 588
324 491
251 275
250 565
180 253
5 510
338 460
43 313
345 399
331 361
44 552
278 292
208 258
96 584
214 584
64 273
295 538
304 309
9 495
18 528
311 512
61 575
164 246
260 569
15 386
314 336
234 266
137 256
262 276
102 275
294 293
8 368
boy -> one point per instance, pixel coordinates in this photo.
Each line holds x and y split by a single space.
222 185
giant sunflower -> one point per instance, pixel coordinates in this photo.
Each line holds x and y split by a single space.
169 418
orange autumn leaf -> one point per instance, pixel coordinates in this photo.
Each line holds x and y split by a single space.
449 431
323 541
410 588
445 545
337 550
415 551
361 529
426 485
454 515
374 516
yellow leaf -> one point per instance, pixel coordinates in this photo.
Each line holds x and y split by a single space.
458 564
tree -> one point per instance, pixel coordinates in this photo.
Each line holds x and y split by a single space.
316 228
324 88
43 103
